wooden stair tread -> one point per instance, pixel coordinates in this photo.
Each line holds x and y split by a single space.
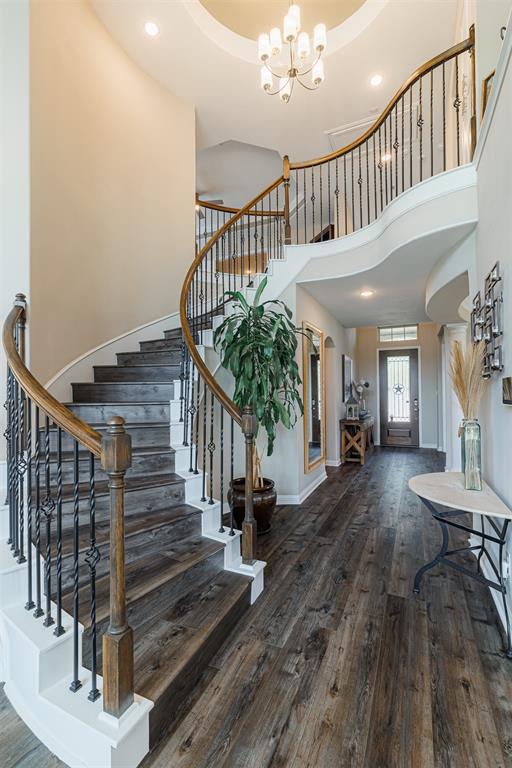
146 572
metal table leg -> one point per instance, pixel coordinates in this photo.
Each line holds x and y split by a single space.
444 554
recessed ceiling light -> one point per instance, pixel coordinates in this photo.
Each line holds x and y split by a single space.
151 28
376 80
367 293
386 158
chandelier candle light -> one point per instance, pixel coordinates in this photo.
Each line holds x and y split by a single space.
303 58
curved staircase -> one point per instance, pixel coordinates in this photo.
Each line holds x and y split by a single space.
122 572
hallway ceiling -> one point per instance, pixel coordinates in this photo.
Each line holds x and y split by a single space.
212 67
399 283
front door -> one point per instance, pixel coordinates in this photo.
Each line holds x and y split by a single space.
399 398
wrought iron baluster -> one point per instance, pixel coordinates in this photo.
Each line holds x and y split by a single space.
16 487
379 166
297 206
211 446
37 457
192 410
410 136
304 206
403 144
337 196
221 477
352 190
205 399
345 191
92 559
395 147
457 104
21 468
29 605
76 683
367 150
313 198
385 160
196 441
360 183
59 629
231 475
48 509
431 122
420 126
320 169
329 195
444 117
374 176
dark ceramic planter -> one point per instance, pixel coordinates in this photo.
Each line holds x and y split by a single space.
264 500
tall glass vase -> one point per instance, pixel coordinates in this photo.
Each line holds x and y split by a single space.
471 455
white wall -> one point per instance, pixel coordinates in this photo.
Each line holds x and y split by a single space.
494 242
428 343
14 168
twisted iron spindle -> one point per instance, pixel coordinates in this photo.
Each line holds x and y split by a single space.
76 683
205 398
48 508
420 126
92 558
29 605
221 463
37 454
211 446
231 475
59 629
21 469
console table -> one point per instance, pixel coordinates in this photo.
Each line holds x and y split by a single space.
446 490
357 435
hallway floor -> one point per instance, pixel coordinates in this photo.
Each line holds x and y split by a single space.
338 664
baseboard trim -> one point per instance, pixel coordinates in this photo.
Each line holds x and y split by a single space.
433 446
333 463
292 499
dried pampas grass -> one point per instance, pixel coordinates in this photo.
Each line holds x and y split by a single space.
466 375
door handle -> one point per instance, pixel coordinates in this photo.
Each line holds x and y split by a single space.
416 404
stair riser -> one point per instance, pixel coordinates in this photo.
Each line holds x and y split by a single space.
167 357
174 334
136 373
137 502
142 466
155 436
132 413
160 345
117 392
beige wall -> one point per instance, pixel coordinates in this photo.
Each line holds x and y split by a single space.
112 188
428 343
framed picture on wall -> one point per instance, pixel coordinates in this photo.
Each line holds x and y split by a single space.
486 91
346 371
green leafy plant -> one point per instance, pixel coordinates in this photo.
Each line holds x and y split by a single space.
258 345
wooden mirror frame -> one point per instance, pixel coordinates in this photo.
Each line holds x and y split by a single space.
310 466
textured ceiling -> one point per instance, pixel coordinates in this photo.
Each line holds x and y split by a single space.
250 17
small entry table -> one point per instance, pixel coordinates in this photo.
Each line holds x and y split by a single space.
357 435
446 489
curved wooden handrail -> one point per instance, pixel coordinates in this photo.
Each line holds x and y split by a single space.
62 416
203 369
455 50
227 209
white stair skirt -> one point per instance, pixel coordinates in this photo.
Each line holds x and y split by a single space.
37 669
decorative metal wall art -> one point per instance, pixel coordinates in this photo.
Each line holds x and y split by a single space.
487 321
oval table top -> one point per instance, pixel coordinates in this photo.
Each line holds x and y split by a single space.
447 488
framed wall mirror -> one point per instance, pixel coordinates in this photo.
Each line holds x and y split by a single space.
313 376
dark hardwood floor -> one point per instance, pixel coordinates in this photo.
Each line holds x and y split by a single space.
338 665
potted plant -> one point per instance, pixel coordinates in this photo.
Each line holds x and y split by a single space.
258 344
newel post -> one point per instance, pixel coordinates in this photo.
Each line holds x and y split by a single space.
21 301
286 177
472 54
116 458
249 524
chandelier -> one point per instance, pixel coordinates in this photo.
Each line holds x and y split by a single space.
301 60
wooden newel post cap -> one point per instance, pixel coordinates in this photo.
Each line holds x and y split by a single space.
116 447
249 422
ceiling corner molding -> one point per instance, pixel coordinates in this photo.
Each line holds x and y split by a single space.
247 50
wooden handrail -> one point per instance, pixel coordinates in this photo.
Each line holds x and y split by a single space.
62 416
455 50
203 369
228 209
